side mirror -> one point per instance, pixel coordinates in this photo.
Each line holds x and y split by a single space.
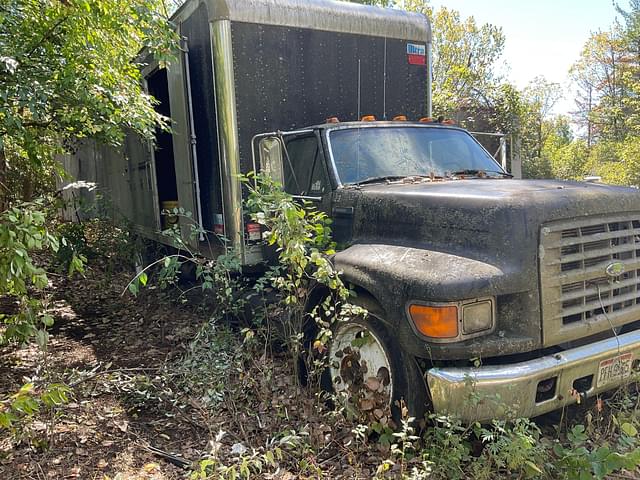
270 153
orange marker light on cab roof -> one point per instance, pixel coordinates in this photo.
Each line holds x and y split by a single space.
435 321
448 122
368 118
332 120
400 118
426 120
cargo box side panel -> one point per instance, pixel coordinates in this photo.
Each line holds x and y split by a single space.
289 78
406 92
104 166
196 29
113 183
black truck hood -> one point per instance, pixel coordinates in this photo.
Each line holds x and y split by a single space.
497 221
456 240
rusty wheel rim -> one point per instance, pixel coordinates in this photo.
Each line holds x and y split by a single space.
359 364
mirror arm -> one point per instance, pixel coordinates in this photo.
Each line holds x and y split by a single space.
307 197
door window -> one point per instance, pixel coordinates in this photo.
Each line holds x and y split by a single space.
304 170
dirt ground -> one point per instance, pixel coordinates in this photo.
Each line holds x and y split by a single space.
98 330
109 347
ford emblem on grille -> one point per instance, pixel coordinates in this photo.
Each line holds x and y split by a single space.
614 269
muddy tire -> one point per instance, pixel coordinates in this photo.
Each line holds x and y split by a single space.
368 366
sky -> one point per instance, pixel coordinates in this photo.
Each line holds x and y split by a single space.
543 37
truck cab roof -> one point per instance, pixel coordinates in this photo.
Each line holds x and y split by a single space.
382 123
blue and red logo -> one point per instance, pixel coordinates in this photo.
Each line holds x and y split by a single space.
416 54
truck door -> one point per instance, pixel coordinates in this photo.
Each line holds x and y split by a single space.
305 170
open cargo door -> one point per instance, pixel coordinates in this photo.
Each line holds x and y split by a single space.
187 182
145 213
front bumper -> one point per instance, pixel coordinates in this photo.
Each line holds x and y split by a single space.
510 390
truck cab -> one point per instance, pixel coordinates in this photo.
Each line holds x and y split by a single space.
505 295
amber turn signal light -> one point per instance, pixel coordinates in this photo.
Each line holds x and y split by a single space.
435 322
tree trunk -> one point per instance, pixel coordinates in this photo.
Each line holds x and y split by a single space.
27 189
589 126
4 201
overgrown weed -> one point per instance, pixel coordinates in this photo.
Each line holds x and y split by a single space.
236 369
447 448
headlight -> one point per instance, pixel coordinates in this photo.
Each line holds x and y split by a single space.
453 322
477 317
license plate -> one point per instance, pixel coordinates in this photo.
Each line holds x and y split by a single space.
614 369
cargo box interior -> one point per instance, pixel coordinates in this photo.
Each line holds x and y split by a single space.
158 87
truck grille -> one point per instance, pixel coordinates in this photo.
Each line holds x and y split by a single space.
579 297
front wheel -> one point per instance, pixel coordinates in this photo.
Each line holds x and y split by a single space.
368 368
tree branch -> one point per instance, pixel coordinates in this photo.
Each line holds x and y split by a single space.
47 34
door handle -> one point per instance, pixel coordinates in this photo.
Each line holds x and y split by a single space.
342 211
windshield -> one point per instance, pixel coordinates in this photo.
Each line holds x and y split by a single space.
361 154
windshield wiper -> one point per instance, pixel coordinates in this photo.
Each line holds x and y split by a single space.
392 178
476 172
384 178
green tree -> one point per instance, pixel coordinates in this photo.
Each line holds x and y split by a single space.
464 61
66 73
630 43
540 97
526 115
568 159
600 75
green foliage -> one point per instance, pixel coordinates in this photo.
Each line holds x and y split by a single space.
219 277
301 236
568 161
112 244
513 447
66 73
242 467
599 75
580 461
616 162
608 110
517 449
213 356
26 402
24 230
464 58
300 233
535 129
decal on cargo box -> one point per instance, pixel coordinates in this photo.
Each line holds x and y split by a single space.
416 54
